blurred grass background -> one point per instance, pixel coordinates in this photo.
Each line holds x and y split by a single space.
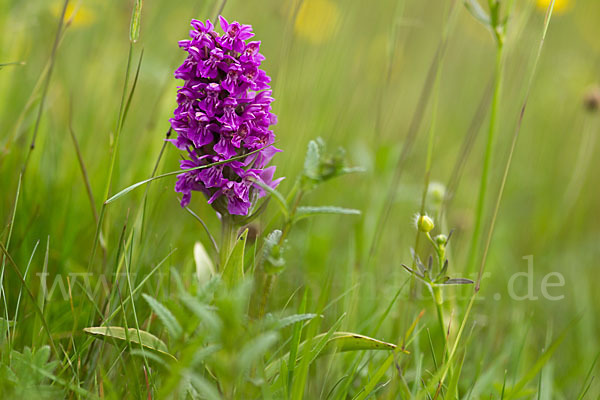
351 72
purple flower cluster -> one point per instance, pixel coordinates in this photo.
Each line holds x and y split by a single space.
223 111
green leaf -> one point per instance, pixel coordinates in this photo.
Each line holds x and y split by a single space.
292 319
323 339
2 65
453 385
295 343
275 195
370 386
588 380
515 392
458 281
5 323
347 341
272 253
204 312
204 386
165 315
336 342
148 341
478 13
305 212
256 348
312 162
233 273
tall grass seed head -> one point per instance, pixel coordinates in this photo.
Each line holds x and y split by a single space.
424 223
224 110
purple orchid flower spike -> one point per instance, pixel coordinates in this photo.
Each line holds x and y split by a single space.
223 111
235 35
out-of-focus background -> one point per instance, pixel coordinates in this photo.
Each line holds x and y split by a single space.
350 72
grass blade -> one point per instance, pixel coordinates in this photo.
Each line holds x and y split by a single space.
539 364
136 185
37 308
51 63
305 212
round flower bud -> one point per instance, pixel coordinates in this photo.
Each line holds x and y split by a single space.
425 223
441 240
591 100
436 192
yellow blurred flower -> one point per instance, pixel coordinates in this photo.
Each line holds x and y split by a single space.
317 20
560 6
77 14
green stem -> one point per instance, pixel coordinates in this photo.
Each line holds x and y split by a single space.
438 298
486 161
269 279
227 240
113 158
267 286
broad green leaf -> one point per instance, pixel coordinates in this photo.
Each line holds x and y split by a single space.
337 342
165 315
148 341
304 212
233 273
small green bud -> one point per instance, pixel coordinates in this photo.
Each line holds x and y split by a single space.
424 223
436 192
441 240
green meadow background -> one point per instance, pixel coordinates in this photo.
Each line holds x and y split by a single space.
350 72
